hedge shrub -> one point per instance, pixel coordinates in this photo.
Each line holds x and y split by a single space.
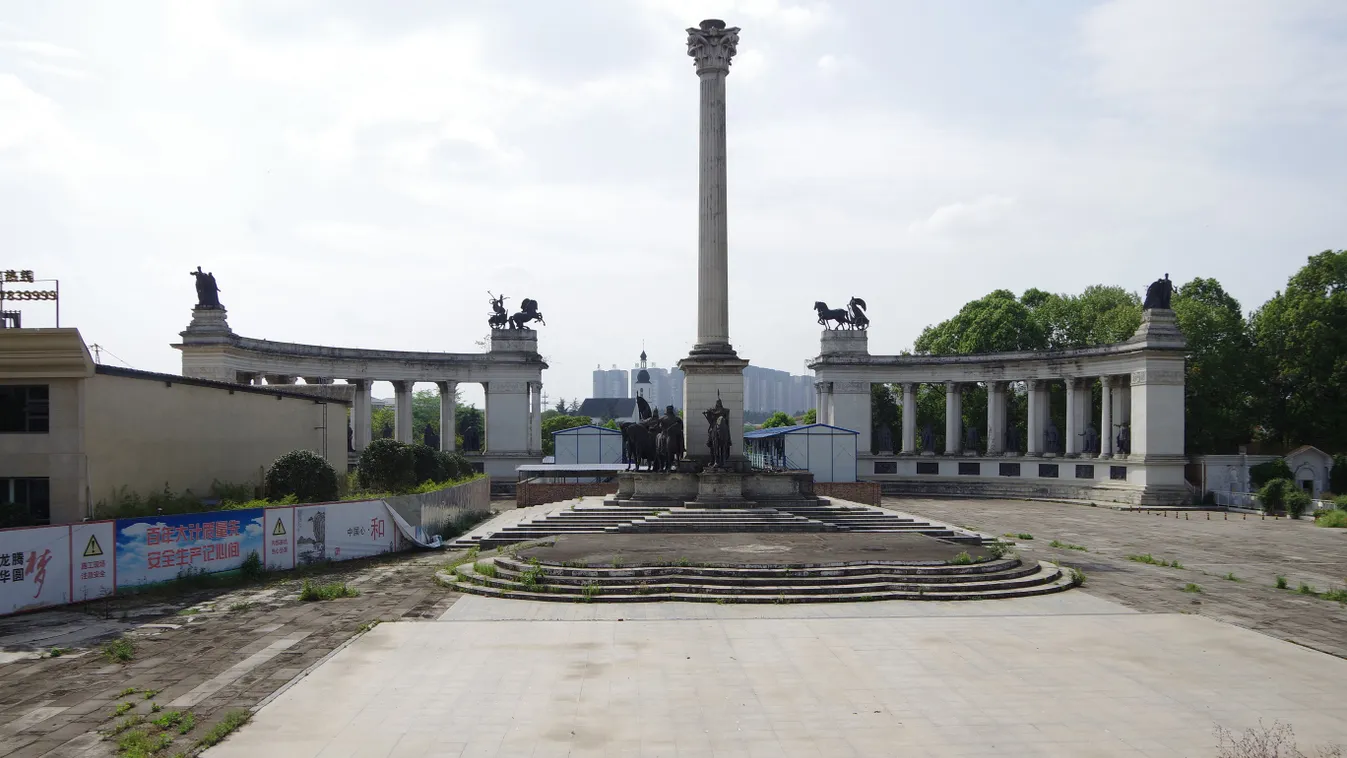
1297 502
304 474
431 465
1268 472
387 465
1337 476
1273 495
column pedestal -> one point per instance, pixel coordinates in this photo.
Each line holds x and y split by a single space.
706 378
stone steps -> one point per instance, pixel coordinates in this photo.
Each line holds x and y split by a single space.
860 582
621 517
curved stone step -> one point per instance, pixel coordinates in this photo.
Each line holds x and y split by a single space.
933 572
1048 579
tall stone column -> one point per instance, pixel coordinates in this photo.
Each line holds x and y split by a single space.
360 414
909 418
448 416
536 417
1035 417
1072 447
402 411
1105 417
996 417
953 419
712 370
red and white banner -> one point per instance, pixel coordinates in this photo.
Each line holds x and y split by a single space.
34 568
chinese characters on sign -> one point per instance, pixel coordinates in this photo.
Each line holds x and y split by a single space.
187 556
205 530
13 568
18 276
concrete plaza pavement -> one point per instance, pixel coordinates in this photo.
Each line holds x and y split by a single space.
1063 675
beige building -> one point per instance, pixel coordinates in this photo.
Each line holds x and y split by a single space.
73 433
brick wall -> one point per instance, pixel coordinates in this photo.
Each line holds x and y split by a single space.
533 493
856 492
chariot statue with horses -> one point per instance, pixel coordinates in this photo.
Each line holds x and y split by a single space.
528 312
851 317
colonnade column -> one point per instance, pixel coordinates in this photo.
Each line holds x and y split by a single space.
1072 447
824 413
448 415
909 418
536 417
953 418
360 414
996 417
1105 418
1035 441
402 411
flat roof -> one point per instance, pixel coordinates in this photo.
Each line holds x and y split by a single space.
776 431
568 468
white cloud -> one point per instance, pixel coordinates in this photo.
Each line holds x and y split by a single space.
962 215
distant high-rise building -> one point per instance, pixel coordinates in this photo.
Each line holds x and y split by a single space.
610 382
765 389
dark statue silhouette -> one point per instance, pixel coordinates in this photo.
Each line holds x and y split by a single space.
970 439
528 313
1158 294
499 318
1124 440
927 439
669 441
1091 442
207 291
639 437
430 438
718 433
1050 438
852 317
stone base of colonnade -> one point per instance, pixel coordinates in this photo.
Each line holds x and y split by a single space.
1127 480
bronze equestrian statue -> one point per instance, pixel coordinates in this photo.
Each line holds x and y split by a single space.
528 313
499 318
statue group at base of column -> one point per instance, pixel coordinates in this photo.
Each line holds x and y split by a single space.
656 441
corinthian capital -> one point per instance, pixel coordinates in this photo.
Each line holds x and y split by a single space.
713 45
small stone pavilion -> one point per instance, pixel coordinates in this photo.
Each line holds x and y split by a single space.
1141 386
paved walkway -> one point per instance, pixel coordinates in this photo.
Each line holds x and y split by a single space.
1069 675
1256 551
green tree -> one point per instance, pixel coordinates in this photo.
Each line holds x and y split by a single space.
778 419
808 417
556 424
1101 315
302 473
380 419
561 406
1221 368
995 323
1301 334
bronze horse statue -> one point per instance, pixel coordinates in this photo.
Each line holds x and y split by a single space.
639 437
826 314
853 316
669 441
528 313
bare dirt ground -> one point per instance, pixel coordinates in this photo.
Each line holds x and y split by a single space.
204 652
1208 547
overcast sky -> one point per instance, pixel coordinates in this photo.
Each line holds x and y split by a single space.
361 174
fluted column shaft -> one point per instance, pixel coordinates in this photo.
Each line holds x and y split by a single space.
953 419
448 416
360 414
1106 417
909 418
1035 420
402 411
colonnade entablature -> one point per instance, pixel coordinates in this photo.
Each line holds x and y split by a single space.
510 373
1124 414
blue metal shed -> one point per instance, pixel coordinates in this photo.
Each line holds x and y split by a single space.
587 444
829 452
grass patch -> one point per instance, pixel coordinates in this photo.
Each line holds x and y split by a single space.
139 743
1153 561
1305 589
533 577
590 591
1230 577
1068 546
174 720
126 723
1338 595
485 568
246 605
119 650
127 691
1334 519
1019 536
311 592
149 694
1190 587
467 557
1281 582
155 708
231 721
1077 577
57 652
962 559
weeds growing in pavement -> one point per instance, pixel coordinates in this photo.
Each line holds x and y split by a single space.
122 708
1281 582
962 559
1077 578
590 591
310 592
1190 587
1305 589
119 650
1276 741
533 577
1068 546
1019 536
127 691
126 723
1231 577
485 568
231 721
1153 561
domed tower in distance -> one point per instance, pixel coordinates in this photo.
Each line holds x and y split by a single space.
641 384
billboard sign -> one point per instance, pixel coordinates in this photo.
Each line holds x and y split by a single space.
161 548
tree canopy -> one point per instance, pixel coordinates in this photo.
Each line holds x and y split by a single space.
1279 374
778 419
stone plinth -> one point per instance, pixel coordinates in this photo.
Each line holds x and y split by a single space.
1159 329
711 489
844 342
208 325
514 341
706 378
720 490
